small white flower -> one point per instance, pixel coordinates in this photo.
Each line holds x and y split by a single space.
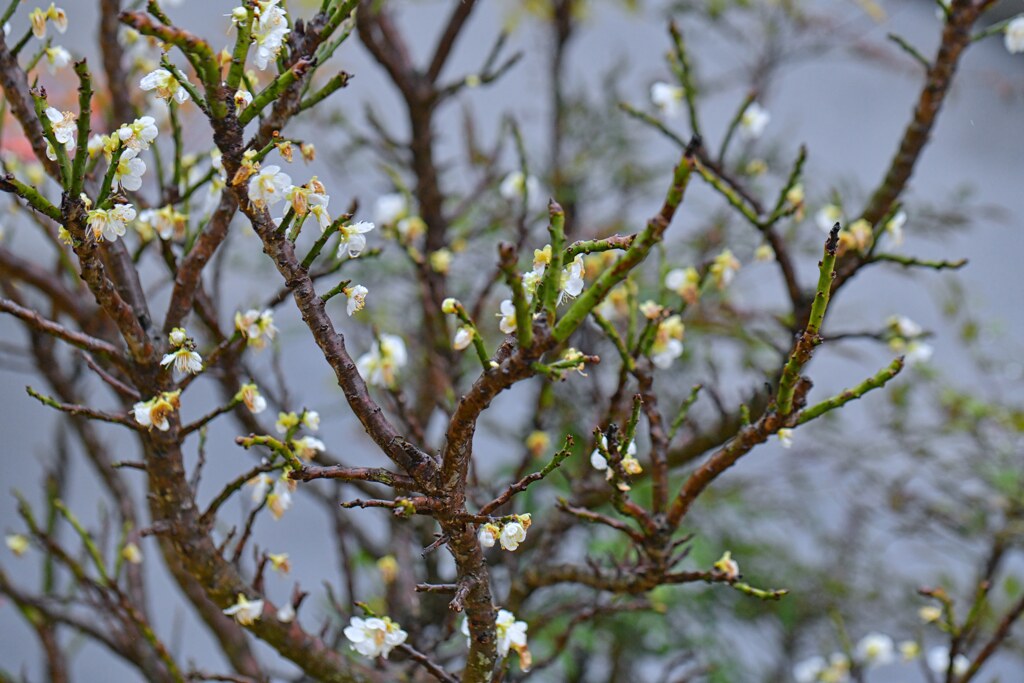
724 268
18 544
243 98
307 447
139 133
875 649
269 186
279 500
380 365
260 484
311 419
389 209
245 611
318 207
155 411
356 298
374 637
599 462
894 227
488 535
904 326
286 614
255 327
165 85
352 239
668 343
827 216
507 323
512 534
909 650
177 337
57 58
918 352
110 224
668 98
131 553
809 670
753 121
463 338
572 279
685 282
938 661
785 437
184 360
65 127
249 394
929 614
728 566
270 26
1014 38
130 169
516 187
511 635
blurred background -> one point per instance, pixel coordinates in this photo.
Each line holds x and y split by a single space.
907 490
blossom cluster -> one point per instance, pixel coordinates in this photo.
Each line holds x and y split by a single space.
509 532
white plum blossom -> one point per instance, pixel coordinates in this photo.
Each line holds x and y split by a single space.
894 227
809 670
318 207
110 223
1014 38
356 298
599 462
255 327
245 611
918 352
286 614
260 484
488 535
17 544
507 324
249 394
311 419
139 133
165 85
184 360
516 187
57 58
270 26
307 447
938 661
463 338
512 534
511 635
279 500
724 268
827 216
390 208
155 411
753 121
875 649
243 98
728 566
130 169
352 238
667 98
785 437
685 282
65 128
380 365
572 279
374 637
904 326
668 343
269 186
